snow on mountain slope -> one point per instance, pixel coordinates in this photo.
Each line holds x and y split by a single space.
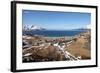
32 27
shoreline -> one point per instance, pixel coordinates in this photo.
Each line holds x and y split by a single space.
65 37
52 38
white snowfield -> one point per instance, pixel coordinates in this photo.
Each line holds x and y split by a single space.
32 27
28 54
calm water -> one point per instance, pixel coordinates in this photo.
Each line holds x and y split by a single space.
54 33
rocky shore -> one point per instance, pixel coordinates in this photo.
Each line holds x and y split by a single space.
40 49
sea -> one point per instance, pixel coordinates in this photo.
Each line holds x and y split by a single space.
54 33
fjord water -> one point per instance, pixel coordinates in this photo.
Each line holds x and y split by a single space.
53 33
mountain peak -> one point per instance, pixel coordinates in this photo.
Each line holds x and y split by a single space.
32 27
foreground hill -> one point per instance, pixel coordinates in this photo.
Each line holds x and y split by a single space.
81 46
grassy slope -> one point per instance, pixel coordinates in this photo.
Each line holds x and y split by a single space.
77 48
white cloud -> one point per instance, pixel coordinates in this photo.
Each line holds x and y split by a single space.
88 26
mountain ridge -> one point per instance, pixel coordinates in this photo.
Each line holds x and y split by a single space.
32 27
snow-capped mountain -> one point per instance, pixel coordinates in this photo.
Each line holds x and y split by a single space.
32 27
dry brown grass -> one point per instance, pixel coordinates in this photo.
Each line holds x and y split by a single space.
77 48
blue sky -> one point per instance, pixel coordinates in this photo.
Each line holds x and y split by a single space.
56 20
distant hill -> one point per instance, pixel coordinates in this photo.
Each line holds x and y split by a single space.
82 29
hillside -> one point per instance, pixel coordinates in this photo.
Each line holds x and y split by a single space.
81 46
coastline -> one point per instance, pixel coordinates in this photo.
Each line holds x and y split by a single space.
41 48
64 37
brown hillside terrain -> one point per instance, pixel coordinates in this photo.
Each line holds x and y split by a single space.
79 47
